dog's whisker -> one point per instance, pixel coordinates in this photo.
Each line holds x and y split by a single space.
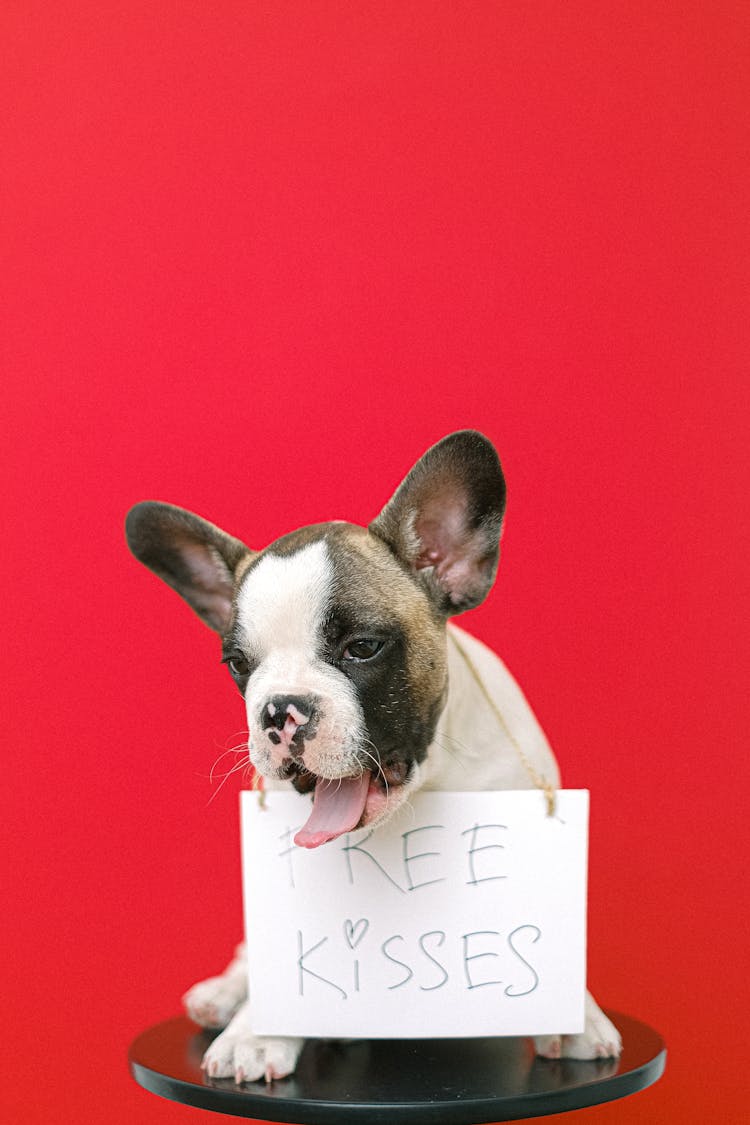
242 748
443 736
408 805
379 771
238 738
242 765
374 757
443 741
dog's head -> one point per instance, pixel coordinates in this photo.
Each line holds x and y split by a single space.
334 634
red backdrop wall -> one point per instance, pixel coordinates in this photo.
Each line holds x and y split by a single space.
257 258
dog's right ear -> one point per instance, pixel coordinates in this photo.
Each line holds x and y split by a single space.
192 556
444 521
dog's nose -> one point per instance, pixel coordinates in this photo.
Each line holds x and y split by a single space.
289 720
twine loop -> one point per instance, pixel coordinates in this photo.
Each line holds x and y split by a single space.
539 782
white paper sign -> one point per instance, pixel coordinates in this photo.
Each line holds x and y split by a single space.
464 915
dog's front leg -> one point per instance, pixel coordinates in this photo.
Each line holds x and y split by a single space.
213 1002
239 1054
599 1039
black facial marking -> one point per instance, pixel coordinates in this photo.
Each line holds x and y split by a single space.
302 780
398 729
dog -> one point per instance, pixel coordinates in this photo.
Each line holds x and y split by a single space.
358 689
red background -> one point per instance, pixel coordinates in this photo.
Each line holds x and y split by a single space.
257 258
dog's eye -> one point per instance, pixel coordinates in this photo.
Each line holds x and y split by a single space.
238 665
364 648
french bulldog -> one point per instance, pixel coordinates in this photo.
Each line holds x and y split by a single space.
358 690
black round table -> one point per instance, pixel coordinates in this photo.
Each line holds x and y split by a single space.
387 1082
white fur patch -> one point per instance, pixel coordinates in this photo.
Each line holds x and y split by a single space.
283 602
281 611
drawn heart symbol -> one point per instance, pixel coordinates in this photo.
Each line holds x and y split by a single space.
355 931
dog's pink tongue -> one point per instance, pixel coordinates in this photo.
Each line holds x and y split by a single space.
337 808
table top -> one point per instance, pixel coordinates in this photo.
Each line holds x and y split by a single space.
446 1081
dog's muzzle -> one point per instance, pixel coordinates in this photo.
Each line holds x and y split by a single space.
356 796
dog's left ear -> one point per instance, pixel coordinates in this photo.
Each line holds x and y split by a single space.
191 555
445 519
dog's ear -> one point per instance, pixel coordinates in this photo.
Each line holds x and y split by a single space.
191 555
445 519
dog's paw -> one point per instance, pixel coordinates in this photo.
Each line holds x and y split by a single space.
213 1002
599 1039
247 1058
239 1054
